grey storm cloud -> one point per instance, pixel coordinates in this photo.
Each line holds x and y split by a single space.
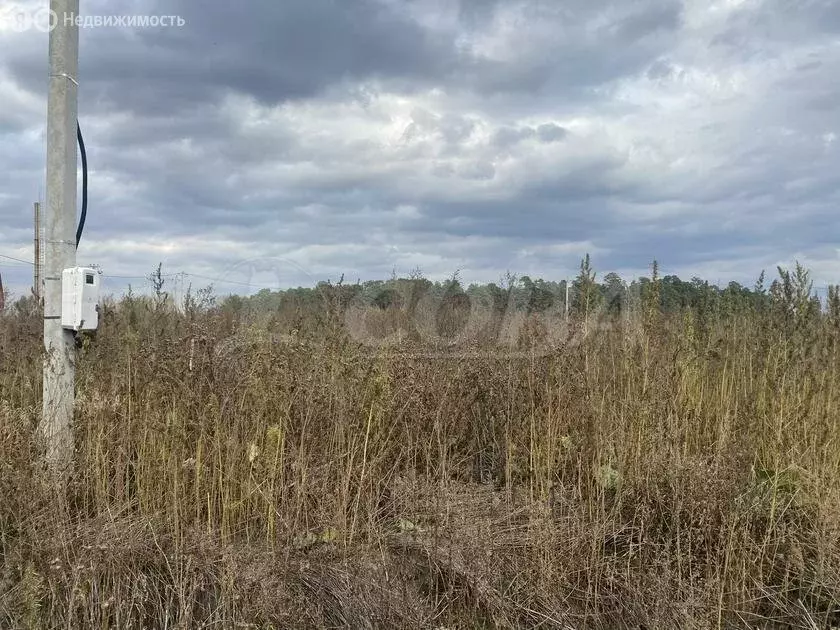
510 136
277 51
363 136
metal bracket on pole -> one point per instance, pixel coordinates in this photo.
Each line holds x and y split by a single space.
66 76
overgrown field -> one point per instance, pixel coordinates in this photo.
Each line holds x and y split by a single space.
675 470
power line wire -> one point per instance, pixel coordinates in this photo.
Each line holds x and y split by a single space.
83 216
26 262
146 277
244 284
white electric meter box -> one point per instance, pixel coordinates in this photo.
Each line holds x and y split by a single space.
80 298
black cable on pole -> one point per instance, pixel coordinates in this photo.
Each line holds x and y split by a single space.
83 216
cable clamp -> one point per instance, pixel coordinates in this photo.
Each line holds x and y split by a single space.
66 76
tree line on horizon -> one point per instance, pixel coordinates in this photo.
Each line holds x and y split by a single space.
587 294
790 296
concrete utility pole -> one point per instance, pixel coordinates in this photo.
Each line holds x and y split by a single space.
36 288
566 305
60 234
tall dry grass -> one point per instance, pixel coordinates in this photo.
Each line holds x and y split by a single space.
669 472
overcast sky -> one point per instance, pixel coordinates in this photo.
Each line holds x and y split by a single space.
290 141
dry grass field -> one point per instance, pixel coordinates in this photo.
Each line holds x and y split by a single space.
666 471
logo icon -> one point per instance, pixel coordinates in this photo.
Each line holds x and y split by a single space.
20 20
44 20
